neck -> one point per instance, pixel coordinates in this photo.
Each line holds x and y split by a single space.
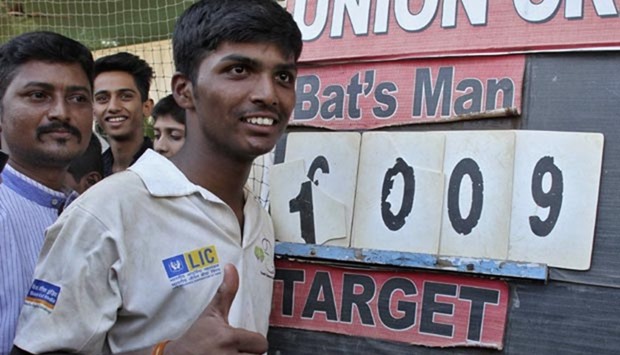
124 152
52 177
223 176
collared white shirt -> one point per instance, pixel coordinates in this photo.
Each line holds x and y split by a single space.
142 255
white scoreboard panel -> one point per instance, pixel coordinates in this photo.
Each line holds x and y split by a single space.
555 197
399 192
478 189
510 195
315 202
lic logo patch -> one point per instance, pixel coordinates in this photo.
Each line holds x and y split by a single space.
192 266
175 265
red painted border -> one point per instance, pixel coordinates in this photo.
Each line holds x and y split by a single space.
381 94
449 310
427 28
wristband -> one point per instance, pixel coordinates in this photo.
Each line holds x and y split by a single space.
159 348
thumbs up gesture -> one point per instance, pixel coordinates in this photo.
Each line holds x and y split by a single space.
211 333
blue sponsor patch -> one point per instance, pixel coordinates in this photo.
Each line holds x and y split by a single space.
175 265
192 266
43 295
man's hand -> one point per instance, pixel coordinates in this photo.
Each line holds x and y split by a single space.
211 333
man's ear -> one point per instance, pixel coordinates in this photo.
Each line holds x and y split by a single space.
182 90
147 107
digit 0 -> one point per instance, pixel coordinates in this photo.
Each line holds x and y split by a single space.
469 167
551 199
392 221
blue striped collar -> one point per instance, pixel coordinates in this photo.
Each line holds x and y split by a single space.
32 190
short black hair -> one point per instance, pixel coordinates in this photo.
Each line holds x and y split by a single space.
91 160
138 68
42 46
168 106
208 23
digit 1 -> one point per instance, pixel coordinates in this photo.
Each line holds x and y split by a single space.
469 167
302 203
396 222
551 198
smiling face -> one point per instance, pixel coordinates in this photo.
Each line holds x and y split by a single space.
118 107
169 135
47 115
241 100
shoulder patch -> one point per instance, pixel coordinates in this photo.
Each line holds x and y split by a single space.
43 295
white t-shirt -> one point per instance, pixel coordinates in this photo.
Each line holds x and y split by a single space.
137 258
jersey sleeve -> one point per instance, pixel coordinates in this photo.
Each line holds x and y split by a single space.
75 296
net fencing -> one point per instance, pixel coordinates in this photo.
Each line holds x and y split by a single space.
142 27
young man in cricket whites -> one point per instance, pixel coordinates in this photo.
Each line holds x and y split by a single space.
136 262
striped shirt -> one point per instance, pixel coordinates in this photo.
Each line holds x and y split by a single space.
27 208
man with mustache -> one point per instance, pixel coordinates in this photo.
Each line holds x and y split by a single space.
46 119
122 83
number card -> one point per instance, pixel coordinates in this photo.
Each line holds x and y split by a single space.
330 168
555 198
526 196
311 204
286 180
478 193
399 192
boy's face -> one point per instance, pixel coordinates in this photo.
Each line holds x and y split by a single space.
243 97
118 107
47 114
169 135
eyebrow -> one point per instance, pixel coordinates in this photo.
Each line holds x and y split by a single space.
171 130
252 62
119 90
287 67
240 59
50 87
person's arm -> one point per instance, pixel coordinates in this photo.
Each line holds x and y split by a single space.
211 333
75 270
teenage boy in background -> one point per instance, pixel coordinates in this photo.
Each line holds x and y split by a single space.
168 126
122 83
